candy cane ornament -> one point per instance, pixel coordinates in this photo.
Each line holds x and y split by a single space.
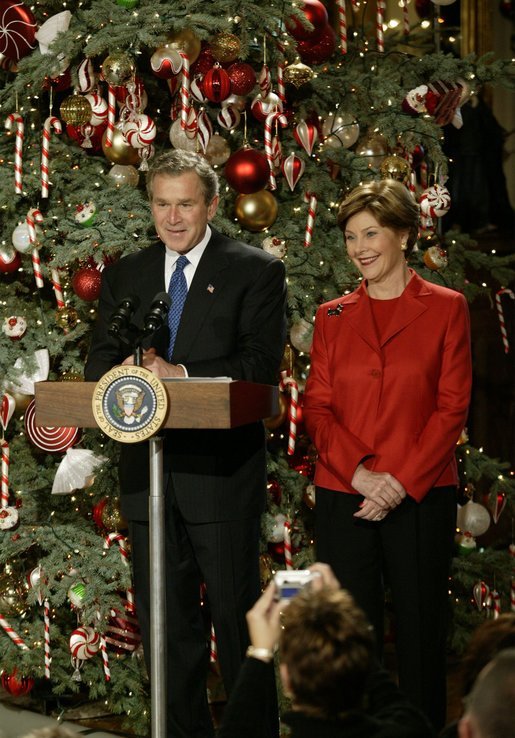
288 383
279 119
379 25
281 88
288 556
15 119
5 473
213 647
342 25
122 544
46 620
35 216
405 17
12 634
310 223
500 314
58 291
184 91
51 124
111 115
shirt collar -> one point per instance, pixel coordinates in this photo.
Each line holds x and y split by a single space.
194 255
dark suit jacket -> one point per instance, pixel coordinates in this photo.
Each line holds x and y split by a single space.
400 404
233 324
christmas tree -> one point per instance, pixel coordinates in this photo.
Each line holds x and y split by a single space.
294 104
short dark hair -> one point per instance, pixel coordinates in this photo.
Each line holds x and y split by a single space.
328 648
176 162
391 204
490 703
487 640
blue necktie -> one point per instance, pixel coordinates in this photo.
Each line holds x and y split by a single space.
178 290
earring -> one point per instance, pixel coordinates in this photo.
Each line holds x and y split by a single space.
404 246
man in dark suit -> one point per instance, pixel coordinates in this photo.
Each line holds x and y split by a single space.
232 324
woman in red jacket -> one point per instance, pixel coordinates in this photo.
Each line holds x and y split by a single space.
385 402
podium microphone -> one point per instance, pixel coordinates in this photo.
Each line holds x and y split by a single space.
121 317
156 316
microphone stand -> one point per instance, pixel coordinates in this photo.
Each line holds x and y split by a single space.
156 573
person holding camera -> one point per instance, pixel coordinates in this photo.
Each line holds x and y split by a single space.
327 665
385 403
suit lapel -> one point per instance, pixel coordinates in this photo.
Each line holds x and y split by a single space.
206 287
409 308
359 315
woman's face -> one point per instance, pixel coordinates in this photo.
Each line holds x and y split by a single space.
375 249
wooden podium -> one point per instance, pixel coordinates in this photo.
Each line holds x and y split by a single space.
192 403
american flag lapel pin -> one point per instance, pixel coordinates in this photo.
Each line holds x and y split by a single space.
210 288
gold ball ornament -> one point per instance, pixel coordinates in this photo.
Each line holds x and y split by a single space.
266 569
373 149
395 167
186 41
225 47
21 403
256 212
298 74
120 152
67 317
217 151
118 68
75 110
275 421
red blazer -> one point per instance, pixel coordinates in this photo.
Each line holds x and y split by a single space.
398 405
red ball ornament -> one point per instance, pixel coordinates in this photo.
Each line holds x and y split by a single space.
86 283
216 84
17 30
87 134
423 8
247 170
243 78
319 51
205 61
276 551
10 261
15 684
316 13
61 82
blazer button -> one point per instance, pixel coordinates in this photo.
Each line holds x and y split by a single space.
376 373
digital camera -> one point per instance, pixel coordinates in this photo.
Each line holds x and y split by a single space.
291 582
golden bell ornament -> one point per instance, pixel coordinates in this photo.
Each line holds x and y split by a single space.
395 167
185 41
297 74
111 516
67 317
256 212
120 152
118 68
75 110
225 47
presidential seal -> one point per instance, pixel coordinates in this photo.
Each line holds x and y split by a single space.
129 404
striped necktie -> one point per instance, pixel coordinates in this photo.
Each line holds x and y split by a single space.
178 290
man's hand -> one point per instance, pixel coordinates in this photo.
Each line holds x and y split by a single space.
157 365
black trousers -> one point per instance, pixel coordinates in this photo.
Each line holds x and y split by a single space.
410 551
224 556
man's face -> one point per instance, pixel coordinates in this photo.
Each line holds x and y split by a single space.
180 211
